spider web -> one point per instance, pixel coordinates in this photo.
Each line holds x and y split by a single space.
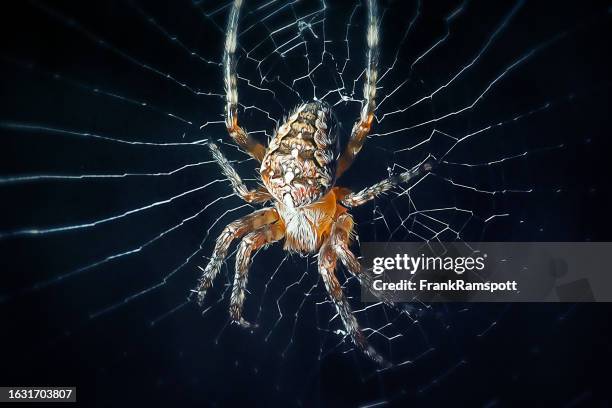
445 91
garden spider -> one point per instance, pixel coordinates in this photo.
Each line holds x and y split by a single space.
299 169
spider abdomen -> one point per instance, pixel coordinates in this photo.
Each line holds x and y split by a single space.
299 165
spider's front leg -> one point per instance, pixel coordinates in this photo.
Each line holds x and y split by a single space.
236 132
327 268
234 230
251 242
340 237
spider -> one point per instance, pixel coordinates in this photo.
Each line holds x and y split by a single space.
298 170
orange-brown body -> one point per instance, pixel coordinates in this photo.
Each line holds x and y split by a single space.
299 170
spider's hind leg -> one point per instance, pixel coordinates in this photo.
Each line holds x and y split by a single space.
236 132
251 242
362 127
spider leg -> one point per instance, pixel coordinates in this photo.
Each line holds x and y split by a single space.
361 197
362 127
258 195
327 267
251 242
340 237
236 132
234 230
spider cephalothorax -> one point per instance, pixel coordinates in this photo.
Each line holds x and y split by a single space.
299 169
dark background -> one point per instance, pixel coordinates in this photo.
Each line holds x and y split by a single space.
152 348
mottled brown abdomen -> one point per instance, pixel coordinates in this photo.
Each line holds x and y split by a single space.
300 163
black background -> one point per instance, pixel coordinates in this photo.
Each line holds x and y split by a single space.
494 355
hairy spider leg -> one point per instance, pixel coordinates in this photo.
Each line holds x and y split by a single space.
232 231
327 268
258 195
253 241
340 238
369 193
362 127
230 78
